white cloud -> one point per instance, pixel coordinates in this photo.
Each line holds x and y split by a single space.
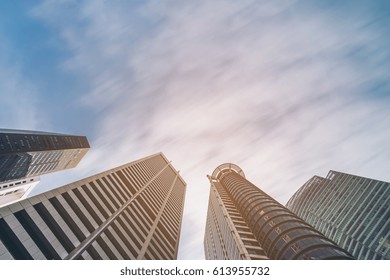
270 87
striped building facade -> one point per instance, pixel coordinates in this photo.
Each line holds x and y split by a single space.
353 211
243 222
130 212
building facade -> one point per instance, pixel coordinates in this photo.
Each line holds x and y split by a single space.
352 211
243 222
13 191
25 154
130 212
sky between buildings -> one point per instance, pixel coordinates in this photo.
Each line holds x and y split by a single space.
284 89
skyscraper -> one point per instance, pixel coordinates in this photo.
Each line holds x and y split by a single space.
133 211
243 222
25 155
352 211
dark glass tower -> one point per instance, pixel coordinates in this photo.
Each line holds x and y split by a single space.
25 154
243 222
133 211
352 211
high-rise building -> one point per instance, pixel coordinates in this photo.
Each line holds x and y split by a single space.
243 222
25 155
133 211
352 211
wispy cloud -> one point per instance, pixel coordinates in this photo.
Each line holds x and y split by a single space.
284 90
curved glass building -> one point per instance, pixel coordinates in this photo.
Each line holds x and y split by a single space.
243 222
353 211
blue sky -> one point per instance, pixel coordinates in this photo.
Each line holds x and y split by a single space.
284 89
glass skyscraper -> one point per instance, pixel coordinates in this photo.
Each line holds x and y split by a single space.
243 222
133 211
25 155
353 211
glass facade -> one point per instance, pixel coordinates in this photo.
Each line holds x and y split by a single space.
227 235
25 154
130 212
352 211
272 229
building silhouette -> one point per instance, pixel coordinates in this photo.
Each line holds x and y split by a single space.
243 222
130 212
352 211
25 155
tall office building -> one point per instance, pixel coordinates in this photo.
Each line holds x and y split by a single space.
352 211
243 222
130 212
25 155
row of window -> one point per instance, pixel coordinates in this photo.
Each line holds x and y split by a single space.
15 183
273 225
81 212
347 205
8 193
18 142
239 231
